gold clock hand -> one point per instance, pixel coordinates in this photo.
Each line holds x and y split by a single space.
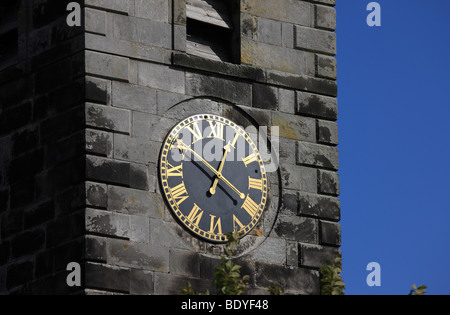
219 176
227 149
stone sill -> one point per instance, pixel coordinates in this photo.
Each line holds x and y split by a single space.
272 77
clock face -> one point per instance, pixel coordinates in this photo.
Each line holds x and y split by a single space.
213 177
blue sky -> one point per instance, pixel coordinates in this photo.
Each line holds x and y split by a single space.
394 99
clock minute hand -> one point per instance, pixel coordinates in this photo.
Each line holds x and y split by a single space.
181 144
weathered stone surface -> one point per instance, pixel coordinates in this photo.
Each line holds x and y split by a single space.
272 251
99 143
103 117
305 230
330 233
95 21
107 65
296 281
233 91
328 183
137 255
326 67
135 202
96 195
107 277
316 40
319 206
327 132
265 97
134 97
277 58
325 17
295 127
317 155
298 178
317 106
161 77
315 256
298 12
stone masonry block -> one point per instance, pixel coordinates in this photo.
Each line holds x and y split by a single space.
265 96
142 31
317 106
328 183
109 118
95 21
299 178
99 143
317 155
96 195
110 278
112 5
316 40
269 31
314 256
296 228
326 67
325 17
298 12
230 90
151 127
185 263
138 255
161 77
115 172
319 206
293 280
272 251
98 90
330 233
134 97
287 101
107 223
295 127
135 149
277 58
155 10
135 202
107 65
328 132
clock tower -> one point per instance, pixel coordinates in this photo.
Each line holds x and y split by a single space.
132 144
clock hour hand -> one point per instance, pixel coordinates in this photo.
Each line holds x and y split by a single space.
227 149
181 145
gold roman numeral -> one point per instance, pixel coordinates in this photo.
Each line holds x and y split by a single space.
196 132
236 223
175 171
250 206
196 215
255 183
215 225
179 193
250 159
216 130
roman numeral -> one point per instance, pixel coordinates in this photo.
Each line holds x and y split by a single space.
196 215
179 193
216 130
215 225
236 223
255 183
196 132
250 206
250 159
175 171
